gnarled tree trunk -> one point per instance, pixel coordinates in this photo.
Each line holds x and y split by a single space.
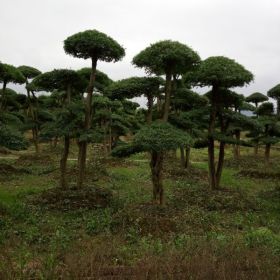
188 157
87 125
267 153
156 165
63 162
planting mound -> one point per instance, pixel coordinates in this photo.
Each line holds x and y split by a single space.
30 159
7 170
147 218
70 199
219 200
259 174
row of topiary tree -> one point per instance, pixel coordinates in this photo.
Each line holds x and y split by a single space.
86 105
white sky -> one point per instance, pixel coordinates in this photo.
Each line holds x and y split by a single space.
32 32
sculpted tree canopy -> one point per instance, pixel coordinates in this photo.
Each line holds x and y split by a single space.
275 94
29 72
93 44
134 87
58 79
169 58
256 98
10 74
96 46
220 71
101 79
166 57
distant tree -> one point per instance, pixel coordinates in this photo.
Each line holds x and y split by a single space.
172 59
190 113
220 73
169 58
9 74
30 73
270 133
94 45
275 94
64 80
256 98
129 88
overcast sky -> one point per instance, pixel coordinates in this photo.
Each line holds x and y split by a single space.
32 32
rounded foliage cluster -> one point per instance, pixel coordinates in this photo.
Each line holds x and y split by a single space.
133 87
274 92
9 73
161 136
93 44
222 72
256 97
167 57
29 72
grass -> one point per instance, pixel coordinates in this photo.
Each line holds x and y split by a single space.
231 234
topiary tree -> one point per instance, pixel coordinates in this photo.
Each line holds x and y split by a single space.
135 87
9 74
275 94
270 128
189 113
256 98
30 73
169 58
220 73
172 59
94 45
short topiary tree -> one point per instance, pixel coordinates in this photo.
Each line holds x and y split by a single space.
275 94
9 74
94 45
220 73
30 73
256 98
158 138
66 81
135 87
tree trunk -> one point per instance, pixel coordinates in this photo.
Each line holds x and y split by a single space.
182 157
87 125
267 153
156 164
237 146
256 149
278 107
150 109
3 97
220 163
188 154
36 120
211 147
167 96
63 163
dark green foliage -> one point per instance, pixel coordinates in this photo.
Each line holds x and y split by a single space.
133 87
256 98
58 79
265 109
29 72
221 72
101 79
93 44
274 92
126 149
10 74
166 56
160 136
11 138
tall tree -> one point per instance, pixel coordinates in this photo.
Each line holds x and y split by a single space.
30 73
220 73
275 94
172 59
66 81
94 45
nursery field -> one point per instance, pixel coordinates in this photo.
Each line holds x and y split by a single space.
111 229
